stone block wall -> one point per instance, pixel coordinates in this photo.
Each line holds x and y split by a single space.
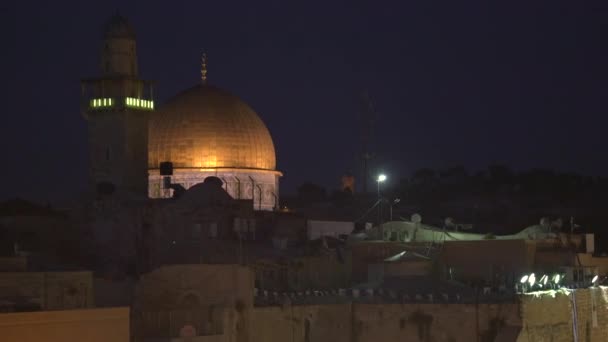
383 322
13 264
549 315
195 286
51 290
302 323
92 325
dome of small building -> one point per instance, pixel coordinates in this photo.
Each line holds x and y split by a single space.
118 27
207 127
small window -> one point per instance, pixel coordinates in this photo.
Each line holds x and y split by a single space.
213 230
196 230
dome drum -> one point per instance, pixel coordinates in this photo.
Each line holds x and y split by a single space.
262 186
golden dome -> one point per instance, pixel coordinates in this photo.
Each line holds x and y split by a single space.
206 127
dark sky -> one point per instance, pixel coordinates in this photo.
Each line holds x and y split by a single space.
453 82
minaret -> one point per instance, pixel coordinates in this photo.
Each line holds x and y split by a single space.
117 107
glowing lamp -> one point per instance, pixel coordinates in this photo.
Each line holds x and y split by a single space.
532 279
556 279
544 279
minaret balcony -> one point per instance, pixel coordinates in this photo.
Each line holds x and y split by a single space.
120 103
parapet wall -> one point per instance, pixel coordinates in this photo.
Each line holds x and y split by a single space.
91 325
49 290
383 322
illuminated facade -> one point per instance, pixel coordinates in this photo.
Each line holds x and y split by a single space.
206 131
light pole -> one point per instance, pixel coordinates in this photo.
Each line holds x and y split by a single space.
381 178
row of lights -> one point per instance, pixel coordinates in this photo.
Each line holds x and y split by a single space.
104 102
141 103
129 102
528 281
531 279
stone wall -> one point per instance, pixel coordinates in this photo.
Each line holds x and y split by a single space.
93 325
548 316
50 290
383 322
302 323
487 259
13 264
589 260
209 321
323 272
432 322
195 286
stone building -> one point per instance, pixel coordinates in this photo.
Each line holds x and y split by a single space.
21 290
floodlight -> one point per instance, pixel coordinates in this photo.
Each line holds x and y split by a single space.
524 279
594 280
381 178
557 278
544 279
532 279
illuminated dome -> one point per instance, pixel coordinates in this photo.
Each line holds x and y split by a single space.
208 132
206 127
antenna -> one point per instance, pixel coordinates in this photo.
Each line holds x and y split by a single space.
204 69
368 118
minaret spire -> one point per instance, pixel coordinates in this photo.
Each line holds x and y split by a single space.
204 69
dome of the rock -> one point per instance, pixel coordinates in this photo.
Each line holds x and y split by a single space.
206 131
206 127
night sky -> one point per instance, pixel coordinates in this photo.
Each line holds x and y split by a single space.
453 82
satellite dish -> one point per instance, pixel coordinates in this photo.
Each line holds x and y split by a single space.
416 218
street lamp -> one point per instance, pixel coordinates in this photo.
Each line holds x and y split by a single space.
381 178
